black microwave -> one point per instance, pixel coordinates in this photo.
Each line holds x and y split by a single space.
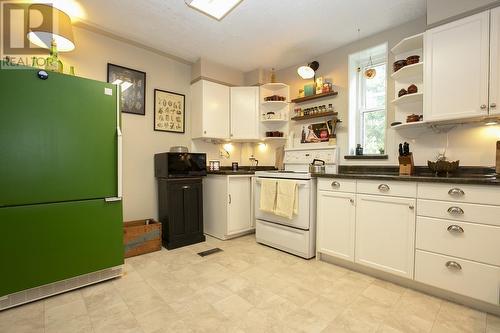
180 165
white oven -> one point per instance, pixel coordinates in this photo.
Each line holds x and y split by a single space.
298 234
303 219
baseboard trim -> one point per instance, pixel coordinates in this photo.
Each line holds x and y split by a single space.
59 287
412 284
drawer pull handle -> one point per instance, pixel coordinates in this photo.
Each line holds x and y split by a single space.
335 184
455 228
456 192
455 211
384 187
453 265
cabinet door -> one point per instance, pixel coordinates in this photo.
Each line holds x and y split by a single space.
385 233
239 204
335 223
456 69
215 110
495 61
245 113
181 211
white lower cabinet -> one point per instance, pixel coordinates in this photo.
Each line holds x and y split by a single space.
335 224
239 205
385 233
464 277
227 205
442 235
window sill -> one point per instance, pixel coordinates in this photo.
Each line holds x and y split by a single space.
366 157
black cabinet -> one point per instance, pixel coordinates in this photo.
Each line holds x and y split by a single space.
181 211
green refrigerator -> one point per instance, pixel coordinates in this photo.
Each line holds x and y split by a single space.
60 184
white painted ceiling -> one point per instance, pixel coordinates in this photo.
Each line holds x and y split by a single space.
257 33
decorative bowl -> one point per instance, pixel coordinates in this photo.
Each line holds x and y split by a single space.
443 168
414 59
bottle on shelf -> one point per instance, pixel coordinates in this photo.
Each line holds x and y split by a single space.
52 63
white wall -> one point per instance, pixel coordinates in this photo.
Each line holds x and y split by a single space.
472 144
441 10
140 142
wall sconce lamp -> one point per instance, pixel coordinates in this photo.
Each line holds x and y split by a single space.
308 71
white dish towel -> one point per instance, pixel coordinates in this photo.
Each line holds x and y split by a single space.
268 195
287 199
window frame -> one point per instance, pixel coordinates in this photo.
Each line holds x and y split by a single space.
361 109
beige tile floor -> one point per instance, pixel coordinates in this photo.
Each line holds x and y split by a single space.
246 288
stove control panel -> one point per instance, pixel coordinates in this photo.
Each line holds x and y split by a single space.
306 156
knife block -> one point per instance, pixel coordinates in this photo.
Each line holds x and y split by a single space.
406 165
498 158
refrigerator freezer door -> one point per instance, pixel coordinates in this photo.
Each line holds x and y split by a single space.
41 244
58 138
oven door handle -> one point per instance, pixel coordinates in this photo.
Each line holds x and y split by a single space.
258 181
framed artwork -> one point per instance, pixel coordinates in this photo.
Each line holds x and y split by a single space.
170 114
133 88
316 133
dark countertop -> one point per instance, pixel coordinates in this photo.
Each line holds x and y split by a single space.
242 170
465 175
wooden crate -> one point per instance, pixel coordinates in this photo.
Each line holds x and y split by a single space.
140 237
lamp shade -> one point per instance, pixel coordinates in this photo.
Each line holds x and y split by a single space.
308 72
47 23
305 72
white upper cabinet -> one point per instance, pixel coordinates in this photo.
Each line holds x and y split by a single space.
457 68
495 61
245 113
209 110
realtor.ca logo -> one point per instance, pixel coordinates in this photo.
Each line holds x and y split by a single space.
20 46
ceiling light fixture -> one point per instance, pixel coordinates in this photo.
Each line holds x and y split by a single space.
216 9
309 71
59 29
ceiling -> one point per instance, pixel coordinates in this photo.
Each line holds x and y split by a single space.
257 33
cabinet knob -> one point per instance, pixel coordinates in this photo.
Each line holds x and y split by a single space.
483 106
455 211
456 192
384 187
455 228
453 265
335 184
493 105
204 132
412 207
351 201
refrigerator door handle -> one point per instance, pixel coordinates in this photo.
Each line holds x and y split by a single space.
113 199
119 144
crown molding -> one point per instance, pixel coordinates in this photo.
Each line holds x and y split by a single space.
99 30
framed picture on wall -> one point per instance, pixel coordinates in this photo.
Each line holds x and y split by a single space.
133 88
170 111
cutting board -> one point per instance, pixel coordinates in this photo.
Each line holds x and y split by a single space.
498 157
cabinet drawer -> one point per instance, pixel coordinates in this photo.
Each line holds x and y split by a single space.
336 184
392 188
460 239
460 276
459 211
489 195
